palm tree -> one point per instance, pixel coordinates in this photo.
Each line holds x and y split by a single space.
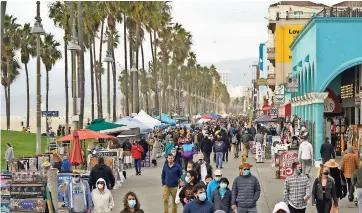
50 54
60 14
9 65
81 80
27 49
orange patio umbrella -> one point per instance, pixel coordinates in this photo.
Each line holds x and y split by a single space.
84 134
75 156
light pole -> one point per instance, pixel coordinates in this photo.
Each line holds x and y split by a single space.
38 30
149 79
169 89
108 59
159 83
134 72
73 47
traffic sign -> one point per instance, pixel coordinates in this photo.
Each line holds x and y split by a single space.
50 113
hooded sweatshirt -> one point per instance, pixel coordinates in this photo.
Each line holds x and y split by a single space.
77 196
281 206
9 154
102 201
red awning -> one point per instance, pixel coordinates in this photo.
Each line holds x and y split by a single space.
285 110
84 134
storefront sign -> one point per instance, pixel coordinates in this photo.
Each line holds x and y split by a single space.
284 36
279 99
259 152
262 82
292 84
25 191
25 205
286 159
347 91
329 105
274 112
279 90
266 109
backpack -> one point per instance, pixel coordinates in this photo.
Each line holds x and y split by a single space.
234 140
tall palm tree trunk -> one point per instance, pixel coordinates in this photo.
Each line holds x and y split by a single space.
7 108
108 84
27 96
131 73
114 76
144 73
137 102
47 99
92 79
66 87
100 109
125 64
8 112
81 65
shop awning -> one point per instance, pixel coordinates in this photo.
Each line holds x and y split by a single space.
285 110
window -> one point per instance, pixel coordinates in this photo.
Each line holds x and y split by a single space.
298 13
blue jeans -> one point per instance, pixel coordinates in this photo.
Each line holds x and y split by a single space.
219 159
137 165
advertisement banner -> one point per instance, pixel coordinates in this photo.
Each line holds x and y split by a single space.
286 159
284 36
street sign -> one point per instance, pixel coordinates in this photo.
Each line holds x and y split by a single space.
50 113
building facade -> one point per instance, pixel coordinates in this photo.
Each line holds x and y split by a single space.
286 20
327 60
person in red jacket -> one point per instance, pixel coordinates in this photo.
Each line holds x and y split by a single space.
137 151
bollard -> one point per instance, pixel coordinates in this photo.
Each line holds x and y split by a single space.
52 182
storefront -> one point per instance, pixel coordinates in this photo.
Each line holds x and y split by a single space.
323 50
285 110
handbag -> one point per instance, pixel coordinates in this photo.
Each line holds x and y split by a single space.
343 182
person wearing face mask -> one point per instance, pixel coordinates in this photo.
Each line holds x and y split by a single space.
202 168
324 191
102 198
200 203
187 152
214 183
186 194
131 204
77 196
245 190
297 190
208 179
221 196
181 184
169 145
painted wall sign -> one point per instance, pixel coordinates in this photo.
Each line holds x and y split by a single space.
286 159
284 36
331 104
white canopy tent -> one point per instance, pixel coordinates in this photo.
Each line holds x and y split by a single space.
146 119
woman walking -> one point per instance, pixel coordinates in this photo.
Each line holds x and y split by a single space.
186 194
102 198
324 192
9 155
339 181
131 204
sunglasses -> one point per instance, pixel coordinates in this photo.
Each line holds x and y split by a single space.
246 169
75 176
101 183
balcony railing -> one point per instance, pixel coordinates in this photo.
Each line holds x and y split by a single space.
270 50
292 15
341 12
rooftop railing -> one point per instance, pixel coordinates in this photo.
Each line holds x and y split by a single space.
341 12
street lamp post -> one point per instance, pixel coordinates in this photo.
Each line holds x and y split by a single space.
108 59
73 47
38 30
169 89
159 83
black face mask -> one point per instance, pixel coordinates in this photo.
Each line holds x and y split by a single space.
326 173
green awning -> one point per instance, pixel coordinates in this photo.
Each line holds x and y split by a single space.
100 124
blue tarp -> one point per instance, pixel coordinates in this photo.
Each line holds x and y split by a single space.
215 116
166 119
134 123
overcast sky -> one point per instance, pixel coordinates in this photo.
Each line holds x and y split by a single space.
221 29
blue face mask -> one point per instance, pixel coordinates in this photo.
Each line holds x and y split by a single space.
299 171
132 203
76 179
202 196
246 172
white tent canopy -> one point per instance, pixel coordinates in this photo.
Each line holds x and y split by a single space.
146 119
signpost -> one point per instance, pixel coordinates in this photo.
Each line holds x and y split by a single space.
49 113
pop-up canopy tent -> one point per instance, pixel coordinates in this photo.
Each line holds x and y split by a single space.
146 119
99 125
134 123
166 119
206 116
214 115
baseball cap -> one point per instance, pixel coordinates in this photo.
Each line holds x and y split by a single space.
217 172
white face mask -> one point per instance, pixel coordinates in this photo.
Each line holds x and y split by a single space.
100 186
